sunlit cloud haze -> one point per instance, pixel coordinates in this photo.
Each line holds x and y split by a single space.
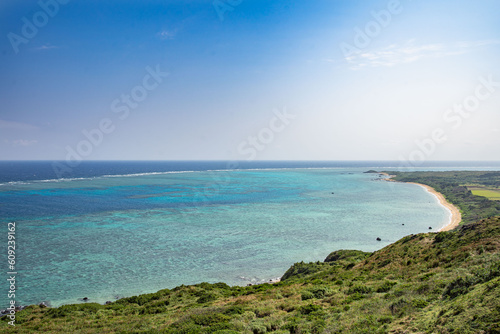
268 80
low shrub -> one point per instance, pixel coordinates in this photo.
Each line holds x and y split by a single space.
385 287
309 308
66 310
307 295
459 286
206 297
320 292
363 289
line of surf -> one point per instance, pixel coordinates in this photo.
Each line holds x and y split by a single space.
69 179
27 182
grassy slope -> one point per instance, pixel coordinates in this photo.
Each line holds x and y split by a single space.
447 282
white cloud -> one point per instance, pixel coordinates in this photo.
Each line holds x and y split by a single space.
16 125
410 52
24 142
167 34
472 142
46 47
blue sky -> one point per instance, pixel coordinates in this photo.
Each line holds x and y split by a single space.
267 80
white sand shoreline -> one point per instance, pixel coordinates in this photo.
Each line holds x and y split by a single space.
455 216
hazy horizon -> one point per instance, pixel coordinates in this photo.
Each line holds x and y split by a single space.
262 160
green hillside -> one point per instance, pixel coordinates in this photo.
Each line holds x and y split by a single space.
447 282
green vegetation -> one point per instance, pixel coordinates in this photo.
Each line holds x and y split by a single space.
446 282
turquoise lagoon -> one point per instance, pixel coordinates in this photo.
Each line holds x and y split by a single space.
113 236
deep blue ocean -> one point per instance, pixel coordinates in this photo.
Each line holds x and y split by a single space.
106 230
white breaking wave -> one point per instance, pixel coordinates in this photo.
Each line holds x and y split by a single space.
163 173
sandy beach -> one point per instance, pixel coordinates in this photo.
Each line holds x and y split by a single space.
455 215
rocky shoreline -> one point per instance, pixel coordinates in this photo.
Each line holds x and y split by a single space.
18 308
